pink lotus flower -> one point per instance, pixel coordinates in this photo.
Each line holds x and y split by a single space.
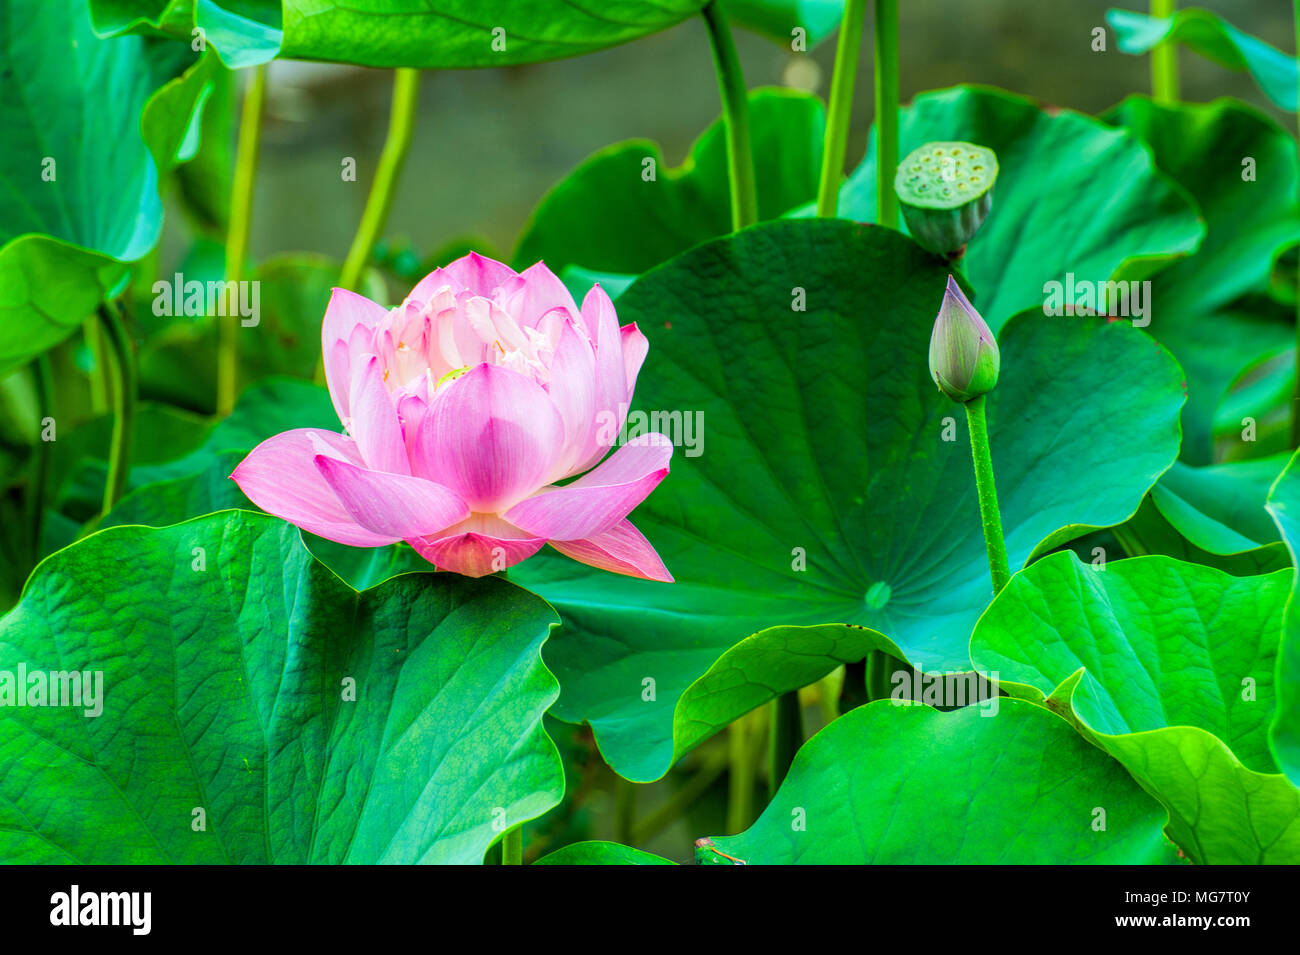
463 407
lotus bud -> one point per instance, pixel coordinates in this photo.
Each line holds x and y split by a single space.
945 191
964 360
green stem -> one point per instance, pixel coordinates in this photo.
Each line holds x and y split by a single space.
682 799
841 106
124 391
98 371
241 216
1131 543
1295 396
735 118
44 452
1164 59
783 739
401 122
880 670
512 847
886 111
624 810
990 517
740 778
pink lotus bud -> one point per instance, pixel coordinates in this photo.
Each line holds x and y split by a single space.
462 408
964 359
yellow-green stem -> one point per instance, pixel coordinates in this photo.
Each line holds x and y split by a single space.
735 118
401 123
99 366
124 391
241 217
840 110
785 736
1164 59
44 452
886 111
990 517
740 776
512 847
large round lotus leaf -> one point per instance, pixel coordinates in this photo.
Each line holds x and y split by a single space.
1169 667
255 709
825 479
896 784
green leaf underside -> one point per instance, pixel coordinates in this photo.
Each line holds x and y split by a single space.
224 690
451 34
1054 212
778 19
1221 508
106 115
1169 667
1210 36
823 443
896 784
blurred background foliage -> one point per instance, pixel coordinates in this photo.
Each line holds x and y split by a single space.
491 142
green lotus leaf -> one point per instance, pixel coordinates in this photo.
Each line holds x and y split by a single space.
1242 170
1214 38
451 34
1284 734
817 484
1170 668
601 853
88 123
778 19
896 784
1221 508
255 709
1073 196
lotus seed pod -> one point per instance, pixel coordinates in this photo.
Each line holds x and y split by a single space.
945 191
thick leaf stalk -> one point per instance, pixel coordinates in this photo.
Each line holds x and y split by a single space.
840 110
241 217
990 517
735 116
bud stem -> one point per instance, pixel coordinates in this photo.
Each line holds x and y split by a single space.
990 517
241 216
